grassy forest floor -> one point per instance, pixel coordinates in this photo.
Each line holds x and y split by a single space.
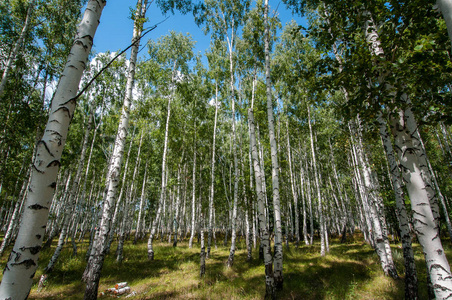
350 271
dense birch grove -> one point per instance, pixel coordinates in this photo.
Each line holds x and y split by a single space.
282 135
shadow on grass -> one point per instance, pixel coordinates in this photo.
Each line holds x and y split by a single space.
349 271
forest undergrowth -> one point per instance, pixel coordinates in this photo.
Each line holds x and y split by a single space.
349 271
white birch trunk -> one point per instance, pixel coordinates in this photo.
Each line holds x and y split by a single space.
202 256
93 269
317 184
294 190
264 233
212 176
156 221
72 200
138 233
129 202
21 266
15 215
15 51
420 192
278 258
411 286
193 201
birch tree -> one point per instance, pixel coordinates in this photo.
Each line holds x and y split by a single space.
20 268
91 274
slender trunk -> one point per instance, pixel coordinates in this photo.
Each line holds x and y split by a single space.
202 255
193 202
156 221
420 191
212 176
71 205
317 185
176 209
15 215
93 269
378 225
129 202
264 233
411 286
21 266
278 258
305 227
138 233
294 191
442 201
15 51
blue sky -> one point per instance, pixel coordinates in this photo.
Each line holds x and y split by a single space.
115 29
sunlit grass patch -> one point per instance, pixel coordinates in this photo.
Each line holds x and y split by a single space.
350 271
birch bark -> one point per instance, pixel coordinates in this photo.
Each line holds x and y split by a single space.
21 266
294 190
72 199
212 176
93 269
163 186
278 258
264 233
411 286
420 191
15 51
193 201
317 184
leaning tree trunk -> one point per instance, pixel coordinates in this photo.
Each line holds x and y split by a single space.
411 286
71 205
411 158
15 215
278 259
21 266
15 51
93 269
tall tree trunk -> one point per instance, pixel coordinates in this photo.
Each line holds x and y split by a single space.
212 176
138 233
411 286
71 204
380 236
202 255
21 266
317 185
156 221
193 201
15 215
294 191
420 191
15 51
129 202
93 269
270 291
278 258
177 206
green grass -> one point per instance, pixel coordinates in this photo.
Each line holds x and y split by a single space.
349 271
